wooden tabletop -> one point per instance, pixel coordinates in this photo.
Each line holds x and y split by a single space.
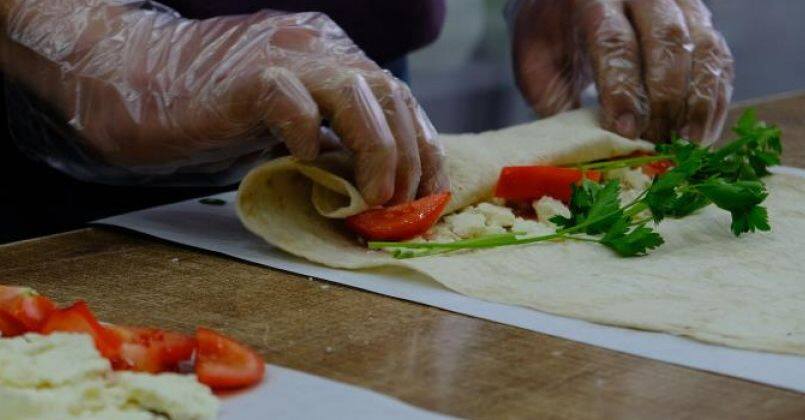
429 357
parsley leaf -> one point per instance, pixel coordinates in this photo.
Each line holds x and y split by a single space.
595 206
748 157
757 218
638 241
664 197
605 209
741 199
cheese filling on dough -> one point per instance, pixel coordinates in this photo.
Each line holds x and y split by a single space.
495 217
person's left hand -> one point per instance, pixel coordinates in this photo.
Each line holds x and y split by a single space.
659 65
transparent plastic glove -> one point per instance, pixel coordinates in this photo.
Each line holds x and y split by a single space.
150 91
659 65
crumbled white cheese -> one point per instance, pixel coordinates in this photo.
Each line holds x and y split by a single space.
83 400
495 230
548 207
496 215
467 224
498 201
440 233
179 397
633 179
532 228
62 376
486 218
36 361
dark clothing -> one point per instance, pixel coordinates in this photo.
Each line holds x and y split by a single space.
384 29
36 200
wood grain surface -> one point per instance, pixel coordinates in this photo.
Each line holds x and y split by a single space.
429 357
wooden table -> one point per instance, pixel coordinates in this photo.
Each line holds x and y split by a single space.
429 357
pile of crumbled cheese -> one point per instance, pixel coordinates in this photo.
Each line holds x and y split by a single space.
493 217
62 376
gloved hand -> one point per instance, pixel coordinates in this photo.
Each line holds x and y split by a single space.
659 65
148 89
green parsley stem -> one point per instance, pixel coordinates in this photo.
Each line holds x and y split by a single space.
583 239
623 163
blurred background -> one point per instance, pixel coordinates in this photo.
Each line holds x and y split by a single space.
465 82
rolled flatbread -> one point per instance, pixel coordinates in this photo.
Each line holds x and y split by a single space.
704 283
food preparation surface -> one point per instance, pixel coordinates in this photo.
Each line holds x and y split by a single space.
431 358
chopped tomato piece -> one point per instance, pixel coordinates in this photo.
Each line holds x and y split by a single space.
8 293
150 349
26 306
79 319
10 326
176 348
657 168
535 182
223 363
653 169
403 221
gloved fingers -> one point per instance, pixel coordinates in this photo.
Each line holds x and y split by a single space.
667 50
545 65
328 140
547 82
711 77
392 96
433 178
724 92
290 112
347 100
431 153
614 53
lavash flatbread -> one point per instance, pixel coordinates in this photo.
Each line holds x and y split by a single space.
703 283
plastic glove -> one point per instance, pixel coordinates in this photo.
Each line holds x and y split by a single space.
659 65
152 92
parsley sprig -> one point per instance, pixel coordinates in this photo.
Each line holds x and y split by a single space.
728 177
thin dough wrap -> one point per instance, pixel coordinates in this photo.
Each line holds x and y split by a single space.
703 283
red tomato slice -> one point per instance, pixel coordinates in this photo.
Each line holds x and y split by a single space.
657 168
79 319
10 326
8 293
177 348
150 349
535 182
223 363
26 306
403 221
654 169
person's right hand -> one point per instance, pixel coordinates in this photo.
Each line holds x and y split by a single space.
148 89
660 66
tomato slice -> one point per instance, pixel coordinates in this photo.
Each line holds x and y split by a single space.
535 182
657 168
151 350
403 221
223 363
9 293
10 326
176 348
79 319
26 306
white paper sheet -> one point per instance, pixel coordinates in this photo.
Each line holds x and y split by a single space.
289 394
217 228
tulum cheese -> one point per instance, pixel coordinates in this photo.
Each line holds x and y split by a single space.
62 376
548 207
